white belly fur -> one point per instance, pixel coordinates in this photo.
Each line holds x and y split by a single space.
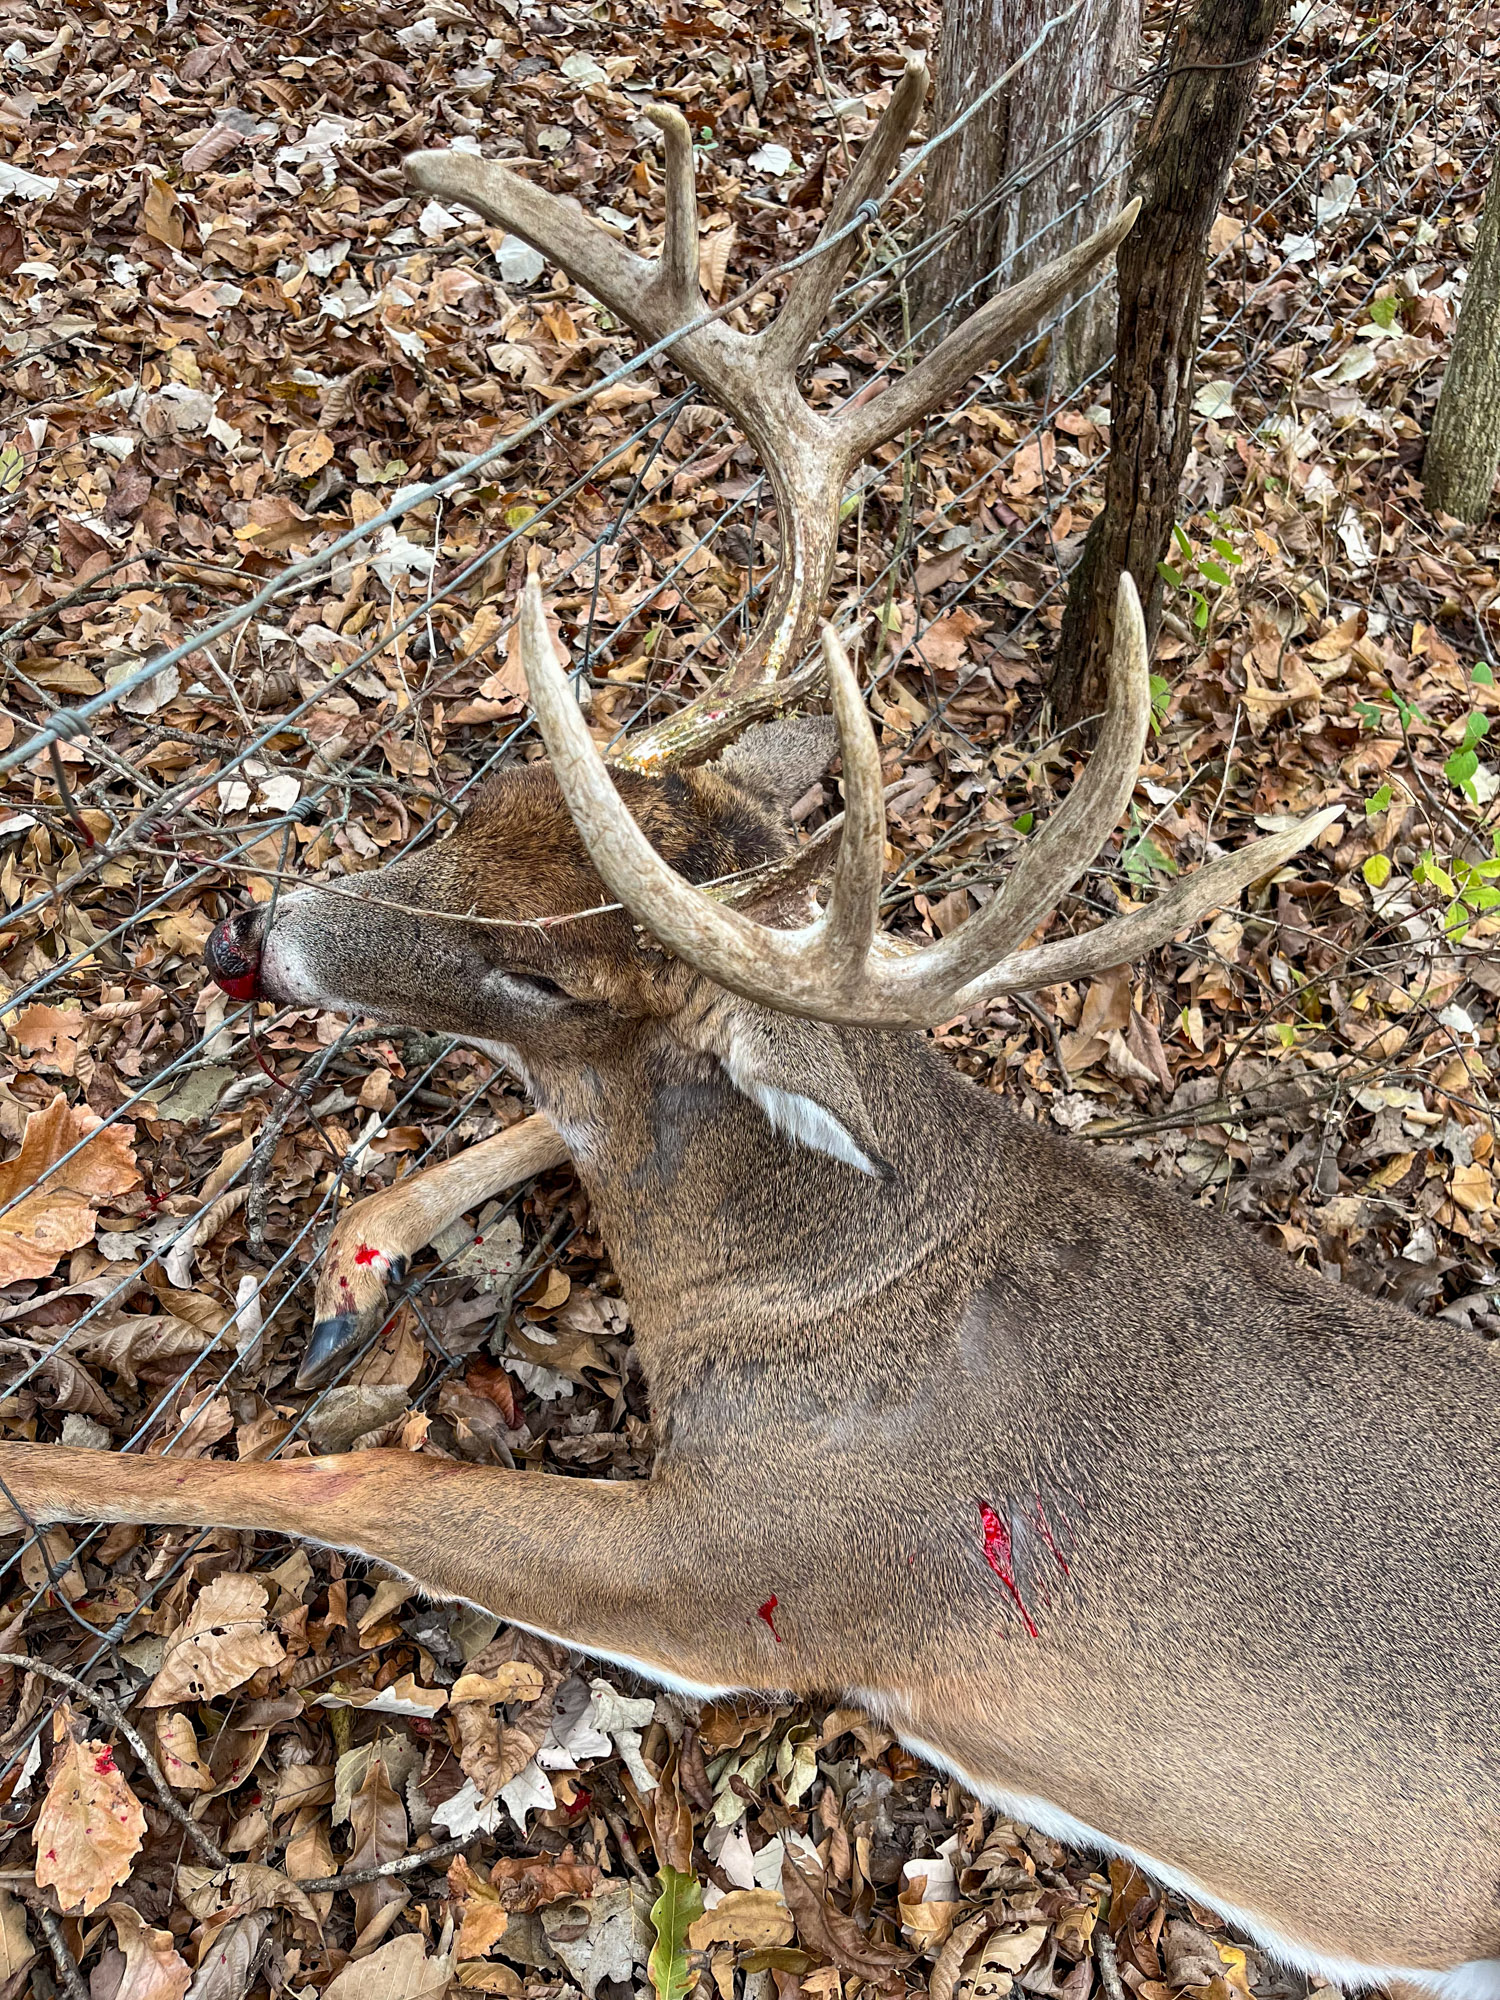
1476 1979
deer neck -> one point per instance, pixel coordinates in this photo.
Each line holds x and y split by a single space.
722 1229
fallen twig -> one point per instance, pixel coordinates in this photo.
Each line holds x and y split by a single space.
70 1978
407 1865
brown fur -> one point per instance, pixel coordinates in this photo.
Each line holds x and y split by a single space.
1250 1515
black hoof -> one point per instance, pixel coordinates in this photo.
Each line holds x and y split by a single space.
333 1339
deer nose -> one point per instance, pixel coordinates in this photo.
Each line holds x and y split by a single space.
232 955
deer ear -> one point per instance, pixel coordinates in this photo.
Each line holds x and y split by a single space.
778 761
798 1074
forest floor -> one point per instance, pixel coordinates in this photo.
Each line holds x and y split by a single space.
232 334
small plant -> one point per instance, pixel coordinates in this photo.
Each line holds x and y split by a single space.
1472 888
1141 857
1198 573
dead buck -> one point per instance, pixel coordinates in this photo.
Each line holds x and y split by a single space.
1156 1541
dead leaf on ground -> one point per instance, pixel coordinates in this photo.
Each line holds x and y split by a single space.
754 1918
222 1644
54 1195
154 1969
90 1825
399 1970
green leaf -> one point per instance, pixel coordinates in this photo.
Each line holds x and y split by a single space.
1383 311
1227 551
1476 728
1368 714
1459 770
1377 870
1161 700
1024 822
1142 857
1200 610
1408 711
679 1904
1215 572
1182 542
1285 1033
1429 869
1378 802
12 467
1456 922
1483 674
1172 578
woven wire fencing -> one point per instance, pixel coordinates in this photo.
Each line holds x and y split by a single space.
354 714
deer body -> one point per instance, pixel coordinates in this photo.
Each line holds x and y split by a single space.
1240 1618
1152 1538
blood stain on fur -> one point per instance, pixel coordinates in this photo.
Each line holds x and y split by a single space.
767 1612
1046 1532
998 1553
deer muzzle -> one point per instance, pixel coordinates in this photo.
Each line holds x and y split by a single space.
232 955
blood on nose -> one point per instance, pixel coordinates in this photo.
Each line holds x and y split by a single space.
230 965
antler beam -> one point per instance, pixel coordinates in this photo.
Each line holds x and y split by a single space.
837 968
808 454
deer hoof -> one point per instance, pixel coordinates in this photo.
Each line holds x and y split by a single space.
337 1337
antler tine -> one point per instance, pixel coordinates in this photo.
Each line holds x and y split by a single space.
803 971
1053 861
814 284
853 915
679 249
1214 886
837 968
808 455
986 333
653 295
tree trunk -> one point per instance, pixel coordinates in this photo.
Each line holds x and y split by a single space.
1052 203
1463 451
1181 170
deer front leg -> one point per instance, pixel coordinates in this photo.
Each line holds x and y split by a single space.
375 1237
641 1571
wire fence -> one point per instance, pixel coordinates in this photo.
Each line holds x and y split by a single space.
1342 188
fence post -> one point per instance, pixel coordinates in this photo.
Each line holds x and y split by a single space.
1463 447
1181 170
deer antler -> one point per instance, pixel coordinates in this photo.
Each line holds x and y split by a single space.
808 454
837 968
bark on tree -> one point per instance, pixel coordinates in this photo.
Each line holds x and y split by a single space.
1181 171
1463 450
1059 200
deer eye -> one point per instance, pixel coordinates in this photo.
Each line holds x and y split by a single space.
540 984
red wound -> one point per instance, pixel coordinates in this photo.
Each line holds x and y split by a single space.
998 1554
1046 1533
365 1255
766 1612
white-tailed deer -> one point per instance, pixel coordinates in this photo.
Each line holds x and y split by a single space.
1156 1541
